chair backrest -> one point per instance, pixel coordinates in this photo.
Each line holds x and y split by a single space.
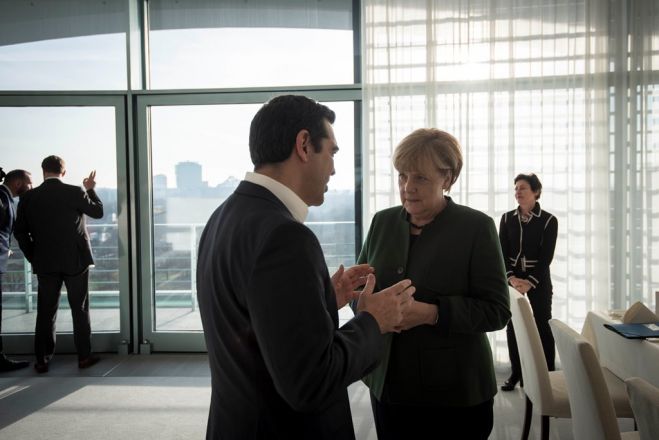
644 398
537 385
593 415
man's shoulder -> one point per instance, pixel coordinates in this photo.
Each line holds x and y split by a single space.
40 194
247 222
68 192
252 209
4 195
57 185
27 195
73 189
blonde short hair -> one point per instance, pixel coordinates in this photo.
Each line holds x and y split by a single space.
429 146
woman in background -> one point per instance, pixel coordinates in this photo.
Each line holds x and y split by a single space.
437 374
528 238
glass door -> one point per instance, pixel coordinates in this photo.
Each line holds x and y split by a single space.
194 150
89 134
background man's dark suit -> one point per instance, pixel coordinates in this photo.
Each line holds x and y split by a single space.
51 232
280 365
7 216
16 183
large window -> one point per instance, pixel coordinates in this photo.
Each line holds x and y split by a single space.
242 53
563 89
185 80
63 45
568 90
199 155
262 43
85 138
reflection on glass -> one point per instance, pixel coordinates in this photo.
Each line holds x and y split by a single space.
199 155
65 64
255 43
64 45
28 135
250 57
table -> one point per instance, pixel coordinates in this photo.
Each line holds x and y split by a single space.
623 357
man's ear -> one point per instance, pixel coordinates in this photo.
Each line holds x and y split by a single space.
303 145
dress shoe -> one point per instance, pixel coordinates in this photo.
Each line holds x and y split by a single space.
41 367
10 365
510 383
88 361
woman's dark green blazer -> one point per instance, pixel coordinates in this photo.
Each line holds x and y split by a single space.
456 263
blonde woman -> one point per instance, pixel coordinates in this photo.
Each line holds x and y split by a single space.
437 375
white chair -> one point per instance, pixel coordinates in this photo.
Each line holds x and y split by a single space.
593 415
545 390
644 398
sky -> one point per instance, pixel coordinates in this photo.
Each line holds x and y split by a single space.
214 136
83 136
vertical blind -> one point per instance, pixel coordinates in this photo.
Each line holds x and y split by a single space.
565 89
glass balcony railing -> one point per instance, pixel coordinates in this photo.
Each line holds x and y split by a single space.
174 276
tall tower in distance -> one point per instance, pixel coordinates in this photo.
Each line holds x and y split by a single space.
188 176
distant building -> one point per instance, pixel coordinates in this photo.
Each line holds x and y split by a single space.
160 181
159 198
188 176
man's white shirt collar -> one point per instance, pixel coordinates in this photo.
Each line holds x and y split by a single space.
52 177
287 196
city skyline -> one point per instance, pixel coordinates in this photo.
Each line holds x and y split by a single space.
178 134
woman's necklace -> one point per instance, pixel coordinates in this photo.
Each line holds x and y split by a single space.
417 226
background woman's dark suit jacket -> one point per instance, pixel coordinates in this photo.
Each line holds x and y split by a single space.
457 264
280 366
528 249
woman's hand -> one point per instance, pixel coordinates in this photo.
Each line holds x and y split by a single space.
418 313
515 282
521 285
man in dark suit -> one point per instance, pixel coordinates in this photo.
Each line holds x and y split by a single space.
16 182
51 231
280 364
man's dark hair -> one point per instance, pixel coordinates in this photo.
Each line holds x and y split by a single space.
275 126
15 175
53 164
533 182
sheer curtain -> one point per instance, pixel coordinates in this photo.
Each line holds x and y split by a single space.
530 86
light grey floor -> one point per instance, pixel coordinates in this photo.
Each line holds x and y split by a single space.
165 396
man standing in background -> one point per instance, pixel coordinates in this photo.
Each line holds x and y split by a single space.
52 233
16 183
